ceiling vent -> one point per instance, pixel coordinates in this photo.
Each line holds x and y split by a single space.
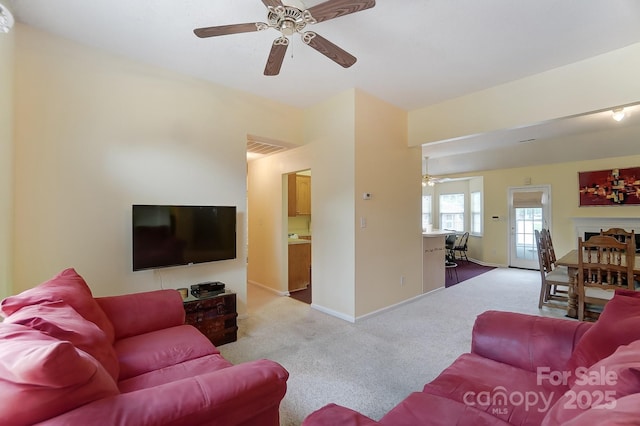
258 147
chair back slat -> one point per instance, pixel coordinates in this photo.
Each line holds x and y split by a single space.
604 263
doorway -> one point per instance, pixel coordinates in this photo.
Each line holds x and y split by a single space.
529 210
299 235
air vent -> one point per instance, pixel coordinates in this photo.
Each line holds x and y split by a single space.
258 147
263 148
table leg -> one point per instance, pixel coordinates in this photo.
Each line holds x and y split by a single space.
572 303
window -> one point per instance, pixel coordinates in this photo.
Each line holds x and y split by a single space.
476 213
426 211
452 212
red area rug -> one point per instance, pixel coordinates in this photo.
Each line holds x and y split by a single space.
465 271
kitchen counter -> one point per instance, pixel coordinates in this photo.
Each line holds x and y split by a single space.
298 241
437 233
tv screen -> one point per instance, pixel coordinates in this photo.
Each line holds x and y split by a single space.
182 235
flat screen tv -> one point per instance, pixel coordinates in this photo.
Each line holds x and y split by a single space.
166 236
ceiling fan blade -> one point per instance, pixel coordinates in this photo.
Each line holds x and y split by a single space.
328 49
273 3
276 56
227 29
335 8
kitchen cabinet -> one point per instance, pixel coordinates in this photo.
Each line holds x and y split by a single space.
299 190
299 265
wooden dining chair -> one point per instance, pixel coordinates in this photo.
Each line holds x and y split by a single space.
554 282
620 235
545 235
604 265
548 242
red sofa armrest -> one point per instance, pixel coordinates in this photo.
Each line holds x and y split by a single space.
526 341
337 415
139 313
247 394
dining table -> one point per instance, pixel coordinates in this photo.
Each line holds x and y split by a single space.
570 260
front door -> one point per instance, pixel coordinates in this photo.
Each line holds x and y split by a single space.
529 210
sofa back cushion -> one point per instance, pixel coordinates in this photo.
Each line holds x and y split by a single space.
602 385
61 321
619 324
42 377
140 313
69 287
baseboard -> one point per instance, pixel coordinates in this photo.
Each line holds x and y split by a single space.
333 313
269 289
493 265
397 305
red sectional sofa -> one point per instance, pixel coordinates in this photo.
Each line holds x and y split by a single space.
67 358
529 370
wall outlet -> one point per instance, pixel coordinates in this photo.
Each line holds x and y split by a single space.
402 280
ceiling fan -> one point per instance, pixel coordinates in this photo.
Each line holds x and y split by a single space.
289 20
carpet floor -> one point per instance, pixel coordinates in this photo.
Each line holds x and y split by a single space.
373 364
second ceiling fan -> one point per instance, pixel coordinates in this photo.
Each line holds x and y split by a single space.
289 20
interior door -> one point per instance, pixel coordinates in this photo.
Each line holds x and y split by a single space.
529 210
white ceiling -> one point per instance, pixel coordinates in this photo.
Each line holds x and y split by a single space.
411 53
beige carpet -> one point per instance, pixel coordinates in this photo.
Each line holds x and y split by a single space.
372 365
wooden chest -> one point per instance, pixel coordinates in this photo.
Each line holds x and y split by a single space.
215 317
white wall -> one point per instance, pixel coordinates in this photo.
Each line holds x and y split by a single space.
6 161
97 133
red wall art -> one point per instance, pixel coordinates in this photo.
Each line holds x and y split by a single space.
614 187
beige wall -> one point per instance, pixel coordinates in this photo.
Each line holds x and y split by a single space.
96 133
388 254
563 179
355 143
6 161
267 207
329 153
590 85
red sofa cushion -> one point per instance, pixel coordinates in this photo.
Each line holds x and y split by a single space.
42 377
626 413
333 414
421 408
162 309
61 321
607 380
69 287
496 388
619 324
172 373
162 348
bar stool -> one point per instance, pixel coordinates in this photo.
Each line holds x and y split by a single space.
451 267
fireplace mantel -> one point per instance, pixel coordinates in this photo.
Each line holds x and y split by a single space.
595 224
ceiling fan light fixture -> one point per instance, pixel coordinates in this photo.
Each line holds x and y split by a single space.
428 180
6 19
288 28
618 114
